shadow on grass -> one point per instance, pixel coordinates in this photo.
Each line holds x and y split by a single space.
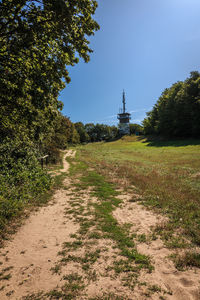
161 142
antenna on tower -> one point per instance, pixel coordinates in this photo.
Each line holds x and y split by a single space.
124 118
124 102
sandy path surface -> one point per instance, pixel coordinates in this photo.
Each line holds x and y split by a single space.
32 253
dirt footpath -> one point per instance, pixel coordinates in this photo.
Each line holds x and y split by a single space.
29 262
31 254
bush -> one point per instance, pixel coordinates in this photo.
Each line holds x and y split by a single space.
53 152
21 177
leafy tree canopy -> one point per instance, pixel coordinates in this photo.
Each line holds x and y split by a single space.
100 132
38 40
177 111
136 129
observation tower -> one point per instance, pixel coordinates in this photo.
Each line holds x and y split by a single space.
124 118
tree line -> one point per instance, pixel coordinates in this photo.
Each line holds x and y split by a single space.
68 133
177 111
38 40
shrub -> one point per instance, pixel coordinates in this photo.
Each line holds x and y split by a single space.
21 177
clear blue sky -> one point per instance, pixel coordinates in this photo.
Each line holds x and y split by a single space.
143 46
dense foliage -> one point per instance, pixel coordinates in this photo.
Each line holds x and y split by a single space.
177 112
38 39
21 177
136 129
101 132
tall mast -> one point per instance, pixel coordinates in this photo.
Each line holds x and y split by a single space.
124 118
124 103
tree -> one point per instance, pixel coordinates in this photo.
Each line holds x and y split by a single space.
84 137
136 128
90 129
177 111
38 40
101 132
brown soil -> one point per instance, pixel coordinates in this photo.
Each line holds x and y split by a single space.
32 254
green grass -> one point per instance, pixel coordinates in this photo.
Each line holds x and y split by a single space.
74 284
3 275
164 173
107 201
165 177
96 221
187 260
109 296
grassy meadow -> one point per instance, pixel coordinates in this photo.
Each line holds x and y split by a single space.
166 177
